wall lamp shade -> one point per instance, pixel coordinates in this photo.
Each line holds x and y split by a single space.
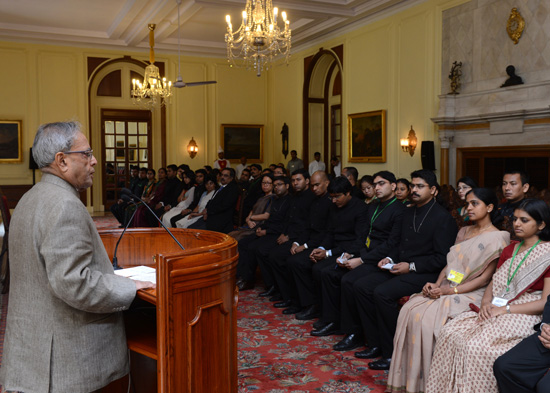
192 148
409 143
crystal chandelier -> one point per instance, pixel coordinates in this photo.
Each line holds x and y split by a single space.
153 90
259 39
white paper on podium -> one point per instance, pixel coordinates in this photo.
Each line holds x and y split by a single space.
140 273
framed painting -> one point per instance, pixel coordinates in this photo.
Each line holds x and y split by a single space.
240 140
10 141
367 136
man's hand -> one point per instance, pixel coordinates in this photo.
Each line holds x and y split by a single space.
282 239
297 249
383 262
400 268
318 254
545 335
352 263
144 285
261 232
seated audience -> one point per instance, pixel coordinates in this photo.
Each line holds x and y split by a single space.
265 235
141 218
512 304
383 234
146 196
258 214
524 368
471 263
254 190
347 224
310 238
172 191
189 203
199 211
220 208
427 233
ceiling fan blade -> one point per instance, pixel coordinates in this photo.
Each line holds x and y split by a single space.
200 83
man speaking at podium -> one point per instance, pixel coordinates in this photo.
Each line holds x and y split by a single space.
65 331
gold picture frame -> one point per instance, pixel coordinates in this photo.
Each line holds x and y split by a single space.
238 140
10 141
367 136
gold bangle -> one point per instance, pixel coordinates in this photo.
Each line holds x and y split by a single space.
456 290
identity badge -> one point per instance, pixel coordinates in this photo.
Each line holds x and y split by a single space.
455 276
499 301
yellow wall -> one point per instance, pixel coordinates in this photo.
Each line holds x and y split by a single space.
390 64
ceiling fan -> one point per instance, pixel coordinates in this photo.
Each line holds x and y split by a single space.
179 81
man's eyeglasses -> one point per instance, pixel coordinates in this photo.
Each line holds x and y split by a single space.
88 153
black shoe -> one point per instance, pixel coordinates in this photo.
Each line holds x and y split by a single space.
327 330
351 341
319 324
270 292
291 310
380 364
283 304
276 298
244 285
369 353
308 313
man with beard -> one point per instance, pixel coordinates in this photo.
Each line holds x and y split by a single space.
383 235
427 233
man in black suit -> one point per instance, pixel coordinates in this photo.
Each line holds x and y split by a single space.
383 235
347 224
351 173
220 209
265 237
427 233
295 225
524 368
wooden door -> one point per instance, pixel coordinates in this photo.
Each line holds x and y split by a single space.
126 142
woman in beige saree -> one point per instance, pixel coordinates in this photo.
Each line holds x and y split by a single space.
474 256
469 344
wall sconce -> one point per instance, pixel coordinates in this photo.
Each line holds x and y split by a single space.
192 148
408 144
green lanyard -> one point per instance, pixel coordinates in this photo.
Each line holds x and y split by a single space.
375 215
521 263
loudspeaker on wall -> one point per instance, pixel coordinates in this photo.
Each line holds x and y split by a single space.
427 155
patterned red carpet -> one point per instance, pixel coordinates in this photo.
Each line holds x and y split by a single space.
277 355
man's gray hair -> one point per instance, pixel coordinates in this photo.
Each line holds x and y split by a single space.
52 138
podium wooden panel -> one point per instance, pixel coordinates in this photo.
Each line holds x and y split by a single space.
194 337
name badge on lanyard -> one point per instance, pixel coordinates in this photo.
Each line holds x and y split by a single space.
499 301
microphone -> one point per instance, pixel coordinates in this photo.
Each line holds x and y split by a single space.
126 199
129 194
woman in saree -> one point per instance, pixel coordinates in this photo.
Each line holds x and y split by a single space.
471 263
145 196
512 304
260 211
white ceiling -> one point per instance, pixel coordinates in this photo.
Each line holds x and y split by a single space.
122 24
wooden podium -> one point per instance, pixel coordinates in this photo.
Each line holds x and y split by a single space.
194 336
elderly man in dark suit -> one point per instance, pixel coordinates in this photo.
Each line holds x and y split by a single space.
65 331
524 368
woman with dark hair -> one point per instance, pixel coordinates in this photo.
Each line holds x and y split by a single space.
471 263
260 211
140 219
200 210
463 186
367 186
402 190
512 304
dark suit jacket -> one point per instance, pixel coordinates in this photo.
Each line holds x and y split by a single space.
220 209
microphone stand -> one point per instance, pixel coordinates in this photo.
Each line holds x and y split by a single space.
126 191
115 260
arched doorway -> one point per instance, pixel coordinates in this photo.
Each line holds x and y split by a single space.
322 108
